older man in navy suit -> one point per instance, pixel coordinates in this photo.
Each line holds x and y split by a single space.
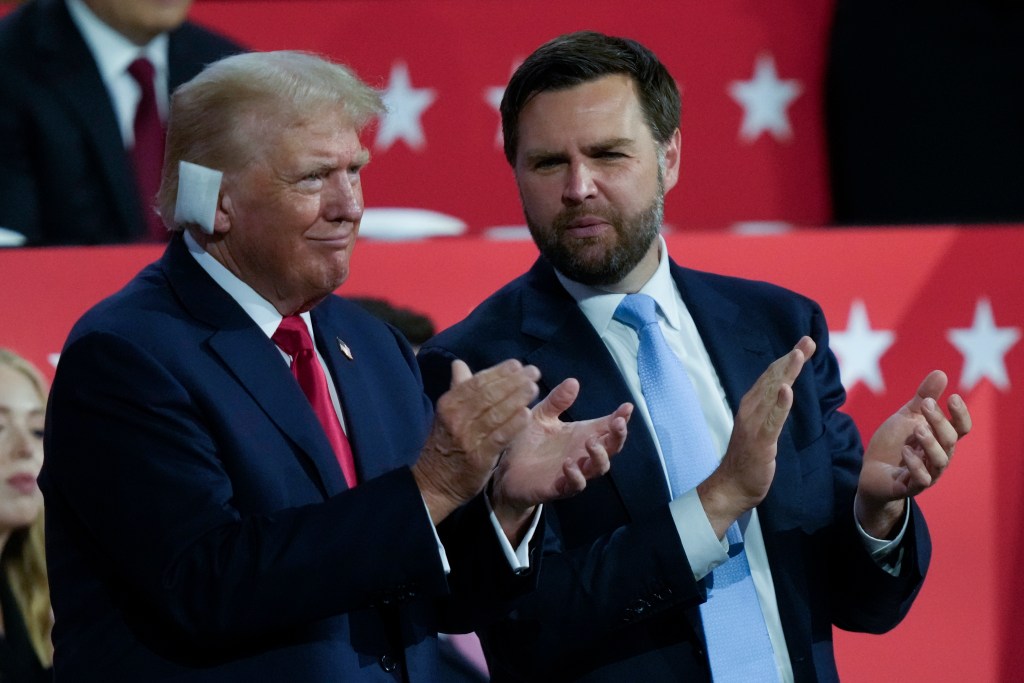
209 517
68 114
726 547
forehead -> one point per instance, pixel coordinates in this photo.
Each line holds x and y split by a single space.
17 390
331 134
605 107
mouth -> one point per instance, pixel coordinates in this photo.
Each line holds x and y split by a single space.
22 483
334 240
587 226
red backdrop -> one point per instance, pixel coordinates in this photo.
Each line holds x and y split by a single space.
917 285
458 53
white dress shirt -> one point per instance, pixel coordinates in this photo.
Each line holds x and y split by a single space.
113 53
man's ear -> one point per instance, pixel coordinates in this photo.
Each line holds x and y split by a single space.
222 219
672 151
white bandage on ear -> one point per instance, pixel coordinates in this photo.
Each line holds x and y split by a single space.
198 190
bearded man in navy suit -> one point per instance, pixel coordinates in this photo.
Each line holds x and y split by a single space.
200 525
830 532
68 106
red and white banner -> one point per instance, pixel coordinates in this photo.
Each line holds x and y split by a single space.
899 303
753 147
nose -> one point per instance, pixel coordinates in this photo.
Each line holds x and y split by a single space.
343 198
24 442
579 184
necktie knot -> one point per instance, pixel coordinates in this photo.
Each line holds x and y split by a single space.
637 310
292 336
142 71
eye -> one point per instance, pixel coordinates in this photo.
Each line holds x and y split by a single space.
546 163
312 182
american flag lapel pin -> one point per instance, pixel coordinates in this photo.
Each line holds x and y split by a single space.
344 348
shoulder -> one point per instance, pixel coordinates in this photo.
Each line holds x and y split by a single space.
500 315
698 287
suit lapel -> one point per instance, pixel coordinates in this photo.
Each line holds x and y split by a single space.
350 380
254 361
69 65
572 348
740 354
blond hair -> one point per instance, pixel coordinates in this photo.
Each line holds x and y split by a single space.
24 559
221 117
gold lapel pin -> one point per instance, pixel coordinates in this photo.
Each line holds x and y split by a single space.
344 348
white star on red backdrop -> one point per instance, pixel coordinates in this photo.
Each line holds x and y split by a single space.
764 99
860 348
406 105
984 347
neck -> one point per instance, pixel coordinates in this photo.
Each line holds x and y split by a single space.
641 273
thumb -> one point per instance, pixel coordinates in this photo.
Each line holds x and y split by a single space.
460 372
558 400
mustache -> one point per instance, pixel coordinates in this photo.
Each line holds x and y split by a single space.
566 216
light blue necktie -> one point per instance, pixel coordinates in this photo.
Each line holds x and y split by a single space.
737 638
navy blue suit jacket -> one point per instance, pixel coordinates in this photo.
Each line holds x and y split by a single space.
198 525
617 596
65 177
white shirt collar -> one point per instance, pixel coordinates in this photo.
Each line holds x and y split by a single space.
259 309
112 51
599 305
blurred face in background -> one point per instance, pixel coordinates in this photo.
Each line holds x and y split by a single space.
141 20
21 450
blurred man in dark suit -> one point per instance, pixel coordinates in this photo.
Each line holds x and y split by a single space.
85 86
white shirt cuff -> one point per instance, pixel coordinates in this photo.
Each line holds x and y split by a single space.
882 550
518 558
440 546
703 548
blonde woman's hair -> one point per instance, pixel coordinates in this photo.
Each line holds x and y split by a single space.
24 559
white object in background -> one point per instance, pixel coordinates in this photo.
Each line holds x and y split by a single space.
408 224
761 227
508 233
11 238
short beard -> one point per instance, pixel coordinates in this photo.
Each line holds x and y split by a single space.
635 235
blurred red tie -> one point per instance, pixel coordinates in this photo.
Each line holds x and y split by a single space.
293 338
148 152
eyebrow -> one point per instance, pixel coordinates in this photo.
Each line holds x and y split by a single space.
608 144
603 145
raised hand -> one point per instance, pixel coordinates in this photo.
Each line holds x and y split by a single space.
746 472
551 459
908 453
475 421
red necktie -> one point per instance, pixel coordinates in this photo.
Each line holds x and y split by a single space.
293 338
148 152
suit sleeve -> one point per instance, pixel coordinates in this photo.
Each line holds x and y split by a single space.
19 192
863 597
